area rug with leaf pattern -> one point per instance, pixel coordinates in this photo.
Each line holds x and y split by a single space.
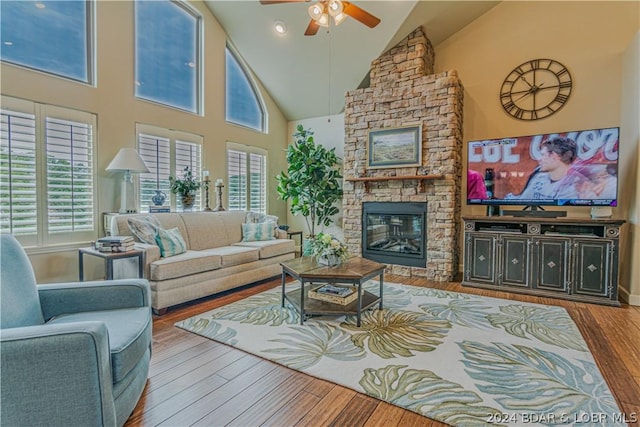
457 358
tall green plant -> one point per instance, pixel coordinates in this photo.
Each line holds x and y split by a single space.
312 181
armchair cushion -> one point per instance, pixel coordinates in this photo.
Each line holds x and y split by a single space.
129 334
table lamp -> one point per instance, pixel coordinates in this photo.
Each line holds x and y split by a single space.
128 161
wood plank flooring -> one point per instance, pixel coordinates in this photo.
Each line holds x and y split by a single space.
196 381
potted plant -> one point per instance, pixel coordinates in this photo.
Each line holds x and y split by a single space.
185 188
312 180
328 250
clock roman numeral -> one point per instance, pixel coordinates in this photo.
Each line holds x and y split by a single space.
561 72
534 63
509 106
534 115
518 113
561 98
565 85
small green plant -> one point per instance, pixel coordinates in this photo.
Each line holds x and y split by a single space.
312 180
187 185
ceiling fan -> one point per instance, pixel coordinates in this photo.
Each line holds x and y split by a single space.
321 12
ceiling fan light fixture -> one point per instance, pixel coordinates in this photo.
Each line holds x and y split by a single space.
324 20
316 11
339 18
335 7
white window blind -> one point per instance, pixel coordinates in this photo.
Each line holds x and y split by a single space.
167 153
18 201
237 179
47 173
189 155
155 151
247 178
258 183
69 146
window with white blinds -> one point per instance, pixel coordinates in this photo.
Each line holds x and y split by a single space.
156 153
18 201
247 178
69 175
167 153
47 173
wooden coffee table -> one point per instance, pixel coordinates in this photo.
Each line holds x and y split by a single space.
354 272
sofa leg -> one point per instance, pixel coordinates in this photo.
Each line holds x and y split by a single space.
161 311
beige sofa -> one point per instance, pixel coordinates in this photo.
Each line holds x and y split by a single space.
216 258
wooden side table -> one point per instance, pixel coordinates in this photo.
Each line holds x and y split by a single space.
108 258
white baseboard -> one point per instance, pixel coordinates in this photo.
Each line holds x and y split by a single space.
630 299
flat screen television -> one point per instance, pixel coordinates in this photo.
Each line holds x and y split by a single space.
577 168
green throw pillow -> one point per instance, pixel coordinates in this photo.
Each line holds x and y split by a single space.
252 232
170 242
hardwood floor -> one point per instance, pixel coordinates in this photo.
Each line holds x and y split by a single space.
197 381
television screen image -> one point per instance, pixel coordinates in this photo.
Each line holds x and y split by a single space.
577 168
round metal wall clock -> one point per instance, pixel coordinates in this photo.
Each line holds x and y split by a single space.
536 89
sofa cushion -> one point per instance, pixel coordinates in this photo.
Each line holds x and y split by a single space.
185 264
234 255
129 334
253 232
206 230
271 248
144 228
170 242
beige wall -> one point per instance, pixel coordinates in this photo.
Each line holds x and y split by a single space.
630 122
589 38
118 110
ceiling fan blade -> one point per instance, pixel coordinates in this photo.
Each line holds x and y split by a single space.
360 14
281 1
312 29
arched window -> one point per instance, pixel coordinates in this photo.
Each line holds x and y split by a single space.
243 105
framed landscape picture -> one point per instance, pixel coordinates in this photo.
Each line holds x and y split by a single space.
395 147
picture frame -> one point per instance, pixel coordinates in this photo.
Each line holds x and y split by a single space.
395 147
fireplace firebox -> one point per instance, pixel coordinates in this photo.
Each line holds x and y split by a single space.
395 232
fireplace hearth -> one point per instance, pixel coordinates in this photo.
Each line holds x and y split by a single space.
395 232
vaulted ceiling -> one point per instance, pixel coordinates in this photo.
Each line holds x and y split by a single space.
308 76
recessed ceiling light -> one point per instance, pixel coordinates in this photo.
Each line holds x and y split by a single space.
40 5
8 43
280 27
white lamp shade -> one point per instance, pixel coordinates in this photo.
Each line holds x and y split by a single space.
128 159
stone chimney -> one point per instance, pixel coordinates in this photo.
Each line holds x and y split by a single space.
404 91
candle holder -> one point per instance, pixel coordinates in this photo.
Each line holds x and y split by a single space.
219 207
206 182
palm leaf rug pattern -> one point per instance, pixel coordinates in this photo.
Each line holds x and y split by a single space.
457 358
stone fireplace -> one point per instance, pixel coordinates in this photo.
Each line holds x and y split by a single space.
404 91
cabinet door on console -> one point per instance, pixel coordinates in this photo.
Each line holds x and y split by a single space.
550 261
515 261
592 271
481 253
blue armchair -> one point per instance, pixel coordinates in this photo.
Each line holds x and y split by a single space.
71 353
